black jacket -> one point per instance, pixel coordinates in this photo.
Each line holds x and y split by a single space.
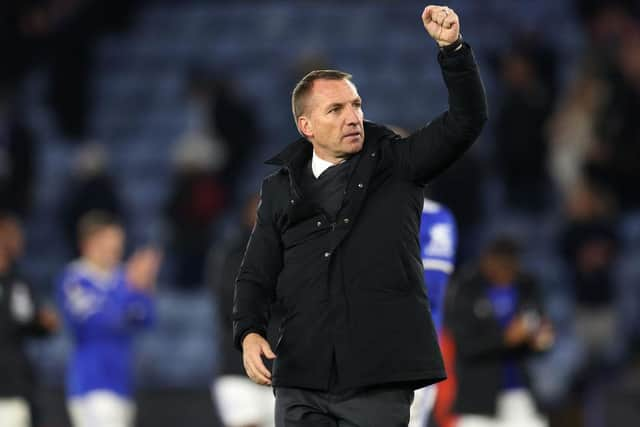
353 289
18 320
479 340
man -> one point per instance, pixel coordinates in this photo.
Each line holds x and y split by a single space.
497 319
21 316
104 304
336 244
438 238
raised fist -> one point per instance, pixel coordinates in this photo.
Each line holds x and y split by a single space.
442 24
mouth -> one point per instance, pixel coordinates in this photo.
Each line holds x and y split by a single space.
351 134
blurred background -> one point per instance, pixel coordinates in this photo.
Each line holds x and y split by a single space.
162 112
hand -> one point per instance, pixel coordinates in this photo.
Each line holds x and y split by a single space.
254 346
48 319
142 269
517 332
442 24
544 337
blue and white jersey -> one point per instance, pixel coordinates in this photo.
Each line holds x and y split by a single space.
102 312
438 240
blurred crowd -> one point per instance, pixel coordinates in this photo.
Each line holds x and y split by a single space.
561 153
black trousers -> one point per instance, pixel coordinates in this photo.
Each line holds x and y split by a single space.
377 407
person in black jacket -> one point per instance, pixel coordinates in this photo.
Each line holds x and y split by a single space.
335 244
21 316
497 319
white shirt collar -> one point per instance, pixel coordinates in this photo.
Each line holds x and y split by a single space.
319 165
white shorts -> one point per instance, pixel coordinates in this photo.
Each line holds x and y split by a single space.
242 402
101 408
14 412
423 400
515 409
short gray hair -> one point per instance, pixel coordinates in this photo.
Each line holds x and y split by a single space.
302 90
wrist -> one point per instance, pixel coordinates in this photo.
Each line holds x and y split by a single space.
446 47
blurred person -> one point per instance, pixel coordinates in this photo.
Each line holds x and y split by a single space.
438 238
498 321
589 244
336 243
239 401
21 317
90 188
618 124
197 200
521 144
104 304
223 117
572 132
17 158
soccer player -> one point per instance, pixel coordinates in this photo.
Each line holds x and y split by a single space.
104 304
438 239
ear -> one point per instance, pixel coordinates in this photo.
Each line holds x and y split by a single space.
305 127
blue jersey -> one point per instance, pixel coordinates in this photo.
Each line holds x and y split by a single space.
102 313
438 239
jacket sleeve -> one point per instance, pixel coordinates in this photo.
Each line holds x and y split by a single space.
256 280
430 150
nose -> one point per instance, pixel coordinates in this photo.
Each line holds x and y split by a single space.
352 116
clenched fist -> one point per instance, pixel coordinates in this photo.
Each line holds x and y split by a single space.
442 24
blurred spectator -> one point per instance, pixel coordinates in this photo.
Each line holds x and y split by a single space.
21 316
521 145
239 401
61 34
197 200
590 244
498 321
620 127
17 163
91 188
104 304
226 120
572 132
606 22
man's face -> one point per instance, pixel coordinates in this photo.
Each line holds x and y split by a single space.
333 120
106 247
13 238
500 269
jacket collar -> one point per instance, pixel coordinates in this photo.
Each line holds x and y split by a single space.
301 150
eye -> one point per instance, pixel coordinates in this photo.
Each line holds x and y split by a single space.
357 104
